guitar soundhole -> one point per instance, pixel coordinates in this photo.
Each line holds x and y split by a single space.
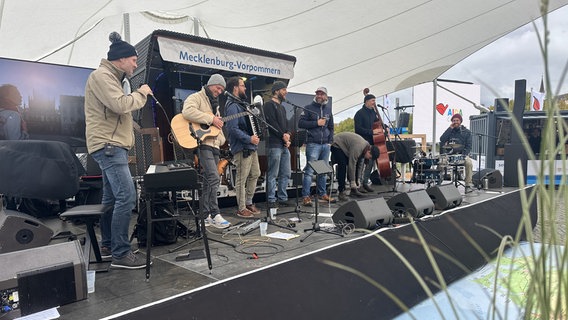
204 126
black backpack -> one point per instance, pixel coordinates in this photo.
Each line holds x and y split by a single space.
165 231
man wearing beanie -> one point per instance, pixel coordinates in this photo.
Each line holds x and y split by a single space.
12 124
109 132
203 107
364 120
317 119
278 143
457 140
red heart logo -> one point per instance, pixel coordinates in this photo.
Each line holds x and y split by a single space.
441 108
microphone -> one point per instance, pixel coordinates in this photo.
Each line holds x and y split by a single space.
378 105
176 98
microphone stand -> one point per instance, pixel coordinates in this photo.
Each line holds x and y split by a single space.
297 154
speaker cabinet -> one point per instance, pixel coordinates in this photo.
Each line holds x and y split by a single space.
20 231
416 203
445 196
493 177
45 277
364 214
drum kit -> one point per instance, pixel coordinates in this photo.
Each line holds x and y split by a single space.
431 170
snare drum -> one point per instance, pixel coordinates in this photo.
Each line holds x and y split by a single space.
456 159
429 162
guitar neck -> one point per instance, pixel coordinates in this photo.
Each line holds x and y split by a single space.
234 116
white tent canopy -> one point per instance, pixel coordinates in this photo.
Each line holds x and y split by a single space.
341 44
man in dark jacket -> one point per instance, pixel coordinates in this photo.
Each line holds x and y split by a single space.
243 143
317 119
364 120
278 143
457 140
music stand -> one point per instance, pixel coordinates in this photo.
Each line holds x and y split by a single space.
320 167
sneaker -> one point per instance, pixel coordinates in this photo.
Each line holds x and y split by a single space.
252 208
368 188
342 196
129 261
468 189
219 222
106 253
362 190
307 202
245 213
326 198
272 204
209 221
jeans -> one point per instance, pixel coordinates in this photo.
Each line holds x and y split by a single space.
367 172
208 160
315 151
278 166
120 195
248 171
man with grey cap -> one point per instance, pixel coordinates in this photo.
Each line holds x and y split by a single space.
203 107
109 103
318 122
278 143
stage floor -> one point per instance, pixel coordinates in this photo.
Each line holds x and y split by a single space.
118 290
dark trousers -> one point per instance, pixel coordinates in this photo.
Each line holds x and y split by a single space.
338 157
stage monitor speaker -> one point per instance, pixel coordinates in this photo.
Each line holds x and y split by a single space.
494 178
46 277
364 214
445 196
19 231
416 203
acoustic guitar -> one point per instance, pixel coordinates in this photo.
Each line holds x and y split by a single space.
186 132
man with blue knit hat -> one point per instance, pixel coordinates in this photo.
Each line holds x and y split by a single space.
203 107
109 103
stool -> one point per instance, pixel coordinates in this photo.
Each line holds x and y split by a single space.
90 214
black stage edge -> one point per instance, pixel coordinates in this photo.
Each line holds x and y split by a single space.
305 288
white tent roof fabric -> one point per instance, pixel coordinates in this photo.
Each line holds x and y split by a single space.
344 45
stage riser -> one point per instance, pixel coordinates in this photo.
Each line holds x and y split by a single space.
307 288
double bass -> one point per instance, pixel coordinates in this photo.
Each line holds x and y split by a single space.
380 140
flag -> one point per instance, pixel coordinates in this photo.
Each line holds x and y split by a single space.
386 101
537 100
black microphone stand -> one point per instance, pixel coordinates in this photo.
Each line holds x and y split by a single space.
298 209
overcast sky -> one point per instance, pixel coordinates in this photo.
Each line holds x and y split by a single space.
496 67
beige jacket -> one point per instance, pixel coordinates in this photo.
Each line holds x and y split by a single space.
108 110
197 109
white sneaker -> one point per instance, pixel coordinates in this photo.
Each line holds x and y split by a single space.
219 222
209 221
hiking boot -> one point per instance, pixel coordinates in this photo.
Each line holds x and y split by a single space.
326 198
368 188
355 193
361 190
129 261
252 208
285 203
219 222
272 204
342 196
245 213
307 202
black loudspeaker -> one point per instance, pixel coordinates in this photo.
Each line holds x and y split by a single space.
445 197
403 119
364 214
494 178
20 231
416 203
